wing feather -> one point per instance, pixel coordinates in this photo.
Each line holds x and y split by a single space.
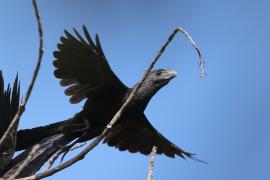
141 136
82 65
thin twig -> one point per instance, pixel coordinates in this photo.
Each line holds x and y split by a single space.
78 145
201 63
21 109
81 155
152 162
52 160
25 162
58 153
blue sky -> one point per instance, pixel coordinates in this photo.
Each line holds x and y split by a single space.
223 118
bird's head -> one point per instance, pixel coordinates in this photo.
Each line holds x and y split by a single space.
154 81
160 77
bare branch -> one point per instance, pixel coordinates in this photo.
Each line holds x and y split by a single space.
95 142
58 153
201 63
78 145
52 160
14 123
152 162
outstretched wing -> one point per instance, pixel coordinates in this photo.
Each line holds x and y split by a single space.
140 136
81 65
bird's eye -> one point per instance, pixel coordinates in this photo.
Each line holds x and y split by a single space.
158 73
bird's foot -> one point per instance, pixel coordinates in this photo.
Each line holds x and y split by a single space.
82 127
71 128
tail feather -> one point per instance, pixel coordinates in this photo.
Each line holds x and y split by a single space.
47 148
28 137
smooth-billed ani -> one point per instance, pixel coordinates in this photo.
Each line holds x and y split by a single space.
82 67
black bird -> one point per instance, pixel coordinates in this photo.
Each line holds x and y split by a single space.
83 68
9 103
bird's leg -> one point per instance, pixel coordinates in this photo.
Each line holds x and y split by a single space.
73 128
84 126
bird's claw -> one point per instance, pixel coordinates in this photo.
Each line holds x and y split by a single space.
76 127
82 127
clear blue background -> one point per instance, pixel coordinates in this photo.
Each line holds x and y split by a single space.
223 118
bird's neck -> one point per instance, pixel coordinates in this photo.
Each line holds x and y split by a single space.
142 98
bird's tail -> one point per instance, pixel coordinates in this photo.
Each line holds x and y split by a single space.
45 149
29 137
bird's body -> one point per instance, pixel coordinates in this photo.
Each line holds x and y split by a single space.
82 67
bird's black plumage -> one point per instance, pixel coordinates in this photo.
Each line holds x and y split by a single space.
9 103
83 68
